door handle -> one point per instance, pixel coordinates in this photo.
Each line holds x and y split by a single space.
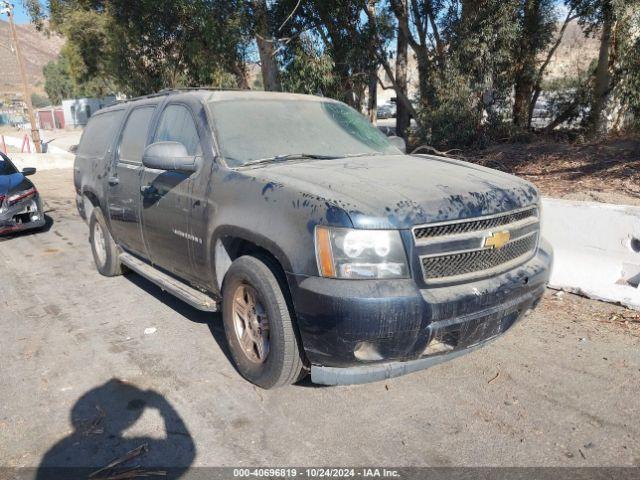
113 181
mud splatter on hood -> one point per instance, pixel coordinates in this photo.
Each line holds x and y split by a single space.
403 191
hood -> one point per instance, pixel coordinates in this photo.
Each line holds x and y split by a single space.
402 191
14 182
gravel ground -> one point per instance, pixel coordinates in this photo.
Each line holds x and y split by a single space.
92 367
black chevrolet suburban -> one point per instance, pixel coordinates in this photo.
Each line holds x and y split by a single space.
327 249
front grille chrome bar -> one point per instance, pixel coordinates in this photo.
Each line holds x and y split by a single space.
423 233
459 251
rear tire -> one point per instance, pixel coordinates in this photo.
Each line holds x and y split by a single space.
104 249
254 305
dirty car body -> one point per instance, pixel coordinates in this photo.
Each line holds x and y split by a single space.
389 262
20 203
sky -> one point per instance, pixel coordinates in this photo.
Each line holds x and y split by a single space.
21 15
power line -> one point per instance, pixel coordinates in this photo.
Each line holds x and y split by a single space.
7 8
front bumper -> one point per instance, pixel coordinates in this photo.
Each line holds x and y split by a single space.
396 328
24 215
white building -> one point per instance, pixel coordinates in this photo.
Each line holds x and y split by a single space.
78 110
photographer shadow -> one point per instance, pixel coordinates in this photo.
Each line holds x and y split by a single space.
98 448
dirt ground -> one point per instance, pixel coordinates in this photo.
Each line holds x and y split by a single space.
103 365
607 171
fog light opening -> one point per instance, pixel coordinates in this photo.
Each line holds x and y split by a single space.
635 245
437 346
366 351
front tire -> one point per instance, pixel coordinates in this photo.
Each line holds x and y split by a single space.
259 326
104 249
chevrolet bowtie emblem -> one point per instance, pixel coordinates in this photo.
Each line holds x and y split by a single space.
497 240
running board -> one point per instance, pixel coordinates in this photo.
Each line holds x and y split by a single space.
184 292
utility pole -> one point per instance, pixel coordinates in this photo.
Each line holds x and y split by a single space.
35 133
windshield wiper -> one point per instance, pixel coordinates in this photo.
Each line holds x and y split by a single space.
289 156
365 154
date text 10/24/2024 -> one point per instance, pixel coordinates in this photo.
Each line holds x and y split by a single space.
316 472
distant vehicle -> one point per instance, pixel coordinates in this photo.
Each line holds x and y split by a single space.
20 203
388 110
326 247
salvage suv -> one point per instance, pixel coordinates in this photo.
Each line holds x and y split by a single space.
326 248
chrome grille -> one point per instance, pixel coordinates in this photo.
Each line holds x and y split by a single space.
467 226
475 248
478 260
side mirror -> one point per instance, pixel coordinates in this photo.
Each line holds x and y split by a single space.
169 156
28 171
73 149
399 143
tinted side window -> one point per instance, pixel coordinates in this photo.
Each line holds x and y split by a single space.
98 134
134 137
6 167
177 125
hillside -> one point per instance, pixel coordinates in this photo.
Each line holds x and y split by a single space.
575 53
37 50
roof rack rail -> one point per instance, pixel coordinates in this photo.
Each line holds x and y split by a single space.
172 91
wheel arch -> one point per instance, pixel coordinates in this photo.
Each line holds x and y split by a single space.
235 243
89 201
230 243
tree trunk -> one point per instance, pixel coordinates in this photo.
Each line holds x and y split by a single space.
597 120
402 114
372 107
537 89
525 81
268 62
240 72
401 96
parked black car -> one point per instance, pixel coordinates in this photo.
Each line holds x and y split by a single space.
20 203
325 246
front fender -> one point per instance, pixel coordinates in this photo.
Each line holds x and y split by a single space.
239 233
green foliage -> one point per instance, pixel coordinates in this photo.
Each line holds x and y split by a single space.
332 45
159 44
471 94
144 46
58 83
455 118
308 70
481 42
39 101
478 60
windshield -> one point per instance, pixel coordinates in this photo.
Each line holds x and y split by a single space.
6 167
254 130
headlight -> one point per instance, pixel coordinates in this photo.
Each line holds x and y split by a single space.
358 254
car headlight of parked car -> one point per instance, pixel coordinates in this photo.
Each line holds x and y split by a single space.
360 254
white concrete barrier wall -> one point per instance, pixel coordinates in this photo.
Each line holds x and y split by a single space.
597 249
42 161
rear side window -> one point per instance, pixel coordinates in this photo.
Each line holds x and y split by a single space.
98 134
177 125
134 137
